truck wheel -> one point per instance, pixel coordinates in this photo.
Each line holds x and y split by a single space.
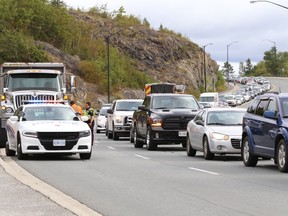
282 156
189 150
85 156
20 154
206 150
114 135
249 160
149 141
8 151
3 138
137 143
131 135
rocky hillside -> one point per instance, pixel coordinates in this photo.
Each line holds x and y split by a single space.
164 56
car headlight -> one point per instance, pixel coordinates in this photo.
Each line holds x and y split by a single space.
30 134
119 119
219 136
84 133
155 120
7 109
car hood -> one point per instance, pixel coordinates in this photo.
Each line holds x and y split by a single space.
228 130
51 126
124 113
163 112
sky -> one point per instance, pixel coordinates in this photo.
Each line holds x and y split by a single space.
251 29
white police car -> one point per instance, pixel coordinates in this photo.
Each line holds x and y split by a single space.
47 128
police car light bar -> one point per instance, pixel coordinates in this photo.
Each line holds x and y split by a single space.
24 102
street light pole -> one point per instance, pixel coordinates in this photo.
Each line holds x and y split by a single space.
204 56
275 53
107 38
228 58
269 2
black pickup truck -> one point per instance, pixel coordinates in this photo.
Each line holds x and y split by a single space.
162 119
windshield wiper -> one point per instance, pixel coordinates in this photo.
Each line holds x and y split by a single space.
161 108
215 123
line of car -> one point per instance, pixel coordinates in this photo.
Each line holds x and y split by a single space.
179 119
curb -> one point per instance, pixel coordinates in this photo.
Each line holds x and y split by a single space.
69 203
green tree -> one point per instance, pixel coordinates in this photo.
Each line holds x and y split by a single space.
271 62
248 68
228 69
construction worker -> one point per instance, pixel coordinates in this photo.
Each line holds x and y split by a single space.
76 108
88 111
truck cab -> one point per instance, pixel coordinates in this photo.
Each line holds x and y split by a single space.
29 81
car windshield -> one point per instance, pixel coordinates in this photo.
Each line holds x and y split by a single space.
103 111
41 113
207 99
33 81
226 118
128 105
170 102
229 97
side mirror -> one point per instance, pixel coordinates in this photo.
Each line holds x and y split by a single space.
199 122
14 118
110 111
201 106
72 83
271 114
63 90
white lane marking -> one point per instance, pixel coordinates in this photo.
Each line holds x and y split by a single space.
140 156
110 147
204 171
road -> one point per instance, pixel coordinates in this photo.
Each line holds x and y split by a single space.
121 180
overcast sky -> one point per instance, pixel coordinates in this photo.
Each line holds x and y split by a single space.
255 26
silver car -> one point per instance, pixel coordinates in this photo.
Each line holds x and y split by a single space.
215 131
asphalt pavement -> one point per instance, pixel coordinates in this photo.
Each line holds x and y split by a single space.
23 194
18 198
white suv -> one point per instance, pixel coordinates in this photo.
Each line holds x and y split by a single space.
119 117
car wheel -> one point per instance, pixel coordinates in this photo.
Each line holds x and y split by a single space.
137 143
20 154
206 150
114 135
3 138
184 145
249 160
149 141
131 134
189 150
8 151
85 156
282 156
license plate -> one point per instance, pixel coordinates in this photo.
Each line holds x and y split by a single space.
182 133
59 142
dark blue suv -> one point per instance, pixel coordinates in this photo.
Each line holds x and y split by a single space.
265 130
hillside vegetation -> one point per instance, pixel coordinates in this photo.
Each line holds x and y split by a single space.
138 53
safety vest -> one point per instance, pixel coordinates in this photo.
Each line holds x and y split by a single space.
89 113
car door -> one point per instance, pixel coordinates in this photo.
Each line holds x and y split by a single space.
257 127
12 127
143 117
270 128
110 116
196 130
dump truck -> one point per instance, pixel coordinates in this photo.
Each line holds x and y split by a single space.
30 81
